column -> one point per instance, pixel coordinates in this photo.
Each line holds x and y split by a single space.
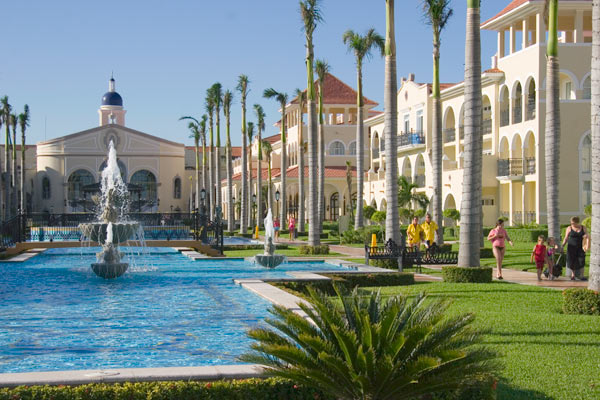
500 44
524 198
525 34
540 28
510 202
578 26
512 39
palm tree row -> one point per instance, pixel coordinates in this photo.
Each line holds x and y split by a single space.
12 193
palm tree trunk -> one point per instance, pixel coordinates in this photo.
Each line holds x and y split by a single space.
321 166
218 194
301 191
250 188
14 204
244 199
552 148
392 221
283 168
230 205
205 185
360 155
470 213
22 184
259 209
197 150
7 174
314 238
270 188
436 143
594 281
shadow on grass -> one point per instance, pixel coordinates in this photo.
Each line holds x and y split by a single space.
513 393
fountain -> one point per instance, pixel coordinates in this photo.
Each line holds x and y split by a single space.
112 226
269 259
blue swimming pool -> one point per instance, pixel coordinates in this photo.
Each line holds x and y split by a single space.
56 314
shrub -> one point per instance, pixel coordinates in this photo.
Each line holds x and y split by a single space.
387 264
314 250
350 281
271 388
378 217
581 301
467 275
451 213
486 253
305 234
368 211
526 235
363 235
420 213
232 247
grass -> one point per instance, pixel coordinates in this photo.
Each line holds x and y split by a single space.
290 252
544 353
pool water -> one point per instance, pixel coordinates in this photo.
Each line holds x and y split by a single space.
168 310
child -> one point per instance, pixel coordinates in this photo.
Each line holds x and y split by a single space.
540 254
291 227
552 249
276 228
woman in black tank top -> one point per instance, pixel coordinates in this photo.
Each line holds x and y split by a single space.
574 237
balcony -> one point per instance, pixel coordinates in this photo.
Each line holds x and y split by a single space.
516 166
449 135
486 127
419 181
411 139
517 114
530 111
504 118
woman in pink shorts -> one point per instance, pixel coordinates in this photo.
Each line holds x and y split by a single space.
498 236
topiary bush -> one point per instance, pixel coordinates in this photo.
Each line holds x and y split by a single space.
363 235
271 388
525 235
387 264
454 274
314 250
581 301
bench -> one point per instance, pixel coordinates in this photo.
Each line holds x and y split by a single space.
410 257
437 257
391 251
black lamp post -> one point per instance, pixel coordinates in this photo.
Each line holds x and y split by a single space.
254 207
277 200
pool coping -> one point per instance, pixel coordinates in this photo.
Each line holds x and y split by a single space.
260 287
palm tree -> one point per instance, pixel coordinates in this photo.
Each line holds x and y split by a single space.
14 120
594 282
217 93
6 109
268 150
242 87
202 127
210 110
1 176
470 212
282 98
311 16
362 347
227 100
392 221
552 120
361 46
24 123
260 124
194 127
349 184
322 68
437 13
301 96
250 134
407 195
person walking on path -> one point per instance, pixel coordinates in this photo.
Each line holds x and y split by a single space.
276 228
498 236
292 227
576 238
553 253
540 254
430 228
414 233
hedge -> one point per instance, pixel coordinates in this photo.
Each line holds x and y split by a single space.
526 235
486 253
467 275
322 249
272 388
305 234
581 301
232 247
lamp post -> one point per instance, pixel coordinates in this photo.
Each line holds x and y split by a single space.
277 200
233 205
254 207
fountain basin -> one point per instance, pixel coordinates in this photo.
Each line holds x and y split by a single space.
122 231
109 271
268 260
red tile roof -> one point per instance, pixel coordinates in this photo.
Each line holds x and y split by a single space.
511 6
265 173
273 139
330 172
236 151
337 92
493 71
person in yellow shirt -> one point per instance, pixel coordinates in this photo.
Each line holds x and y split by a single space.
430 228
413 234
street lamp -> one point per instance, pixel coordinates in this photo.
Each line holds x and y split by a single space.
254 207
277 199
203 195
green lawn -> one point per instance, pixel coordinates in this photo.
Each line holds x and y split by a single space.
290 252
544 353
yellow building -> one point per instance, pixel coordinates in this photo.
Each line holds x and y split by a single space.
513 121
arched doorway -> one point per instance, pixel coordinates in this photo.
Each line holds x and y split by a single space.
147 196
334 206
75 194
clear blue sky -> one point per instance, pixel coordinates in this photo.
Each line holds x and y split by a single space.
58 56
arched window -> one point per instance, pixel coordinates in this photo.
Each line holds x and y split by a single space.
587 88
45 188
177 188
76 182
334 206
337 148
586 155
147 183
122 168
352 148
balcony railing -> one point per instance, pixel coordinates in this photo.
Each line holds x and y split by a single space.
449 135
530 165
412 138
530 110
420 181
516 166
504 117
487 126
517 114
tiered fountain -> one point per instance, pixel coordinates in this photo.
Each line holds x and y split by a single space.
269 259
112 226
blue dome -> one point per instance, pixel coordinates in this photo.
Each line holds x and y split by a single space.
112 99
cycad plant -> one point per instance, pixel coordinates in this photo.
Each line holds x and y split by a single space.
311 16
301 96
250 134
366 348
227 100
260 124
361 46
437 13
24 118
242 87
322 68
